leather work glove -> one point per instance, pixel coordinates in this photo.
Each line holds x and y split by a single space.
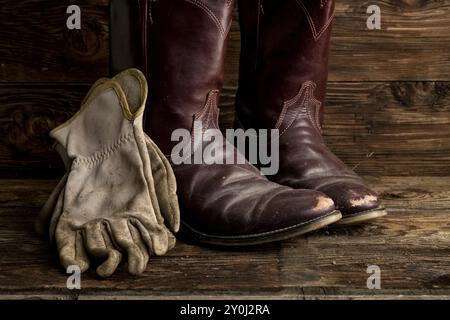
119 194
163 176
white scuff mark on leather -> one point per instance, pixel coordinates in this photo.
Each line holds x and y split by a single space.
368 199
323 203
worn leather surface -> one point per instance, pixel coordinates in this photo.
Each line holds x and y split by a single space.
118 195
185 59
283 76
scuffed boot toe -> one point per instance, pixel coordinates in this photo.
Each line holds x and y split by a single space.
356 201
280 214
296 207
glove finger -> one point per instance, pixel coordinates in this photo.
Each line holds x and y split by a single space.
165 185
172 241
97 246
70 247
138 240
121 236
43 220
156 238
154 192
151 190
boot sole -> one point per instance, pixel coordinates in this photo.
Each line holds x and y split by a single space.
261 238
362 216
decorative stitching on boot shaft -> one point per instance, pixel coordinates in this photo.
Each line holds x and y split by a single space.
209 113
200 4
300 106
316 33
102 155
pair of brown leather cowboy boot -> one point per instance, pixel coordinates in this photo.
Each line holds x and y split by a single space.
180 45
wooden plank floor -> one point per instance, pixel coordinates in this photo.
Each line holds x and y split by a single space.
411 246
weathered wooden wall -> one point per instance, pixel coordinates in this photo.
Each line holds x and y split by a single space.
388 100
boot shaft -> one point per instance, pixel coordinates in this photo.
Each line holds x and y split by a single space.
180 45
186 49
186 46
284 58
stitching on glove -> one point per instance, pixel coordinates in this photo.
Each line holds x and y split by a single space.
102 155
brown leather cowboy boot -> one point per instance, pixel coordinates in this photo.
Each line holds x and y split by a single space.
221 204
283 76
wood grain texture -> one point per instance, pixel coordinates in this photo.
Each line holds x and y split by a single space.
393 128
411 245
378 127
27 114
414 42
36 46
412 45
